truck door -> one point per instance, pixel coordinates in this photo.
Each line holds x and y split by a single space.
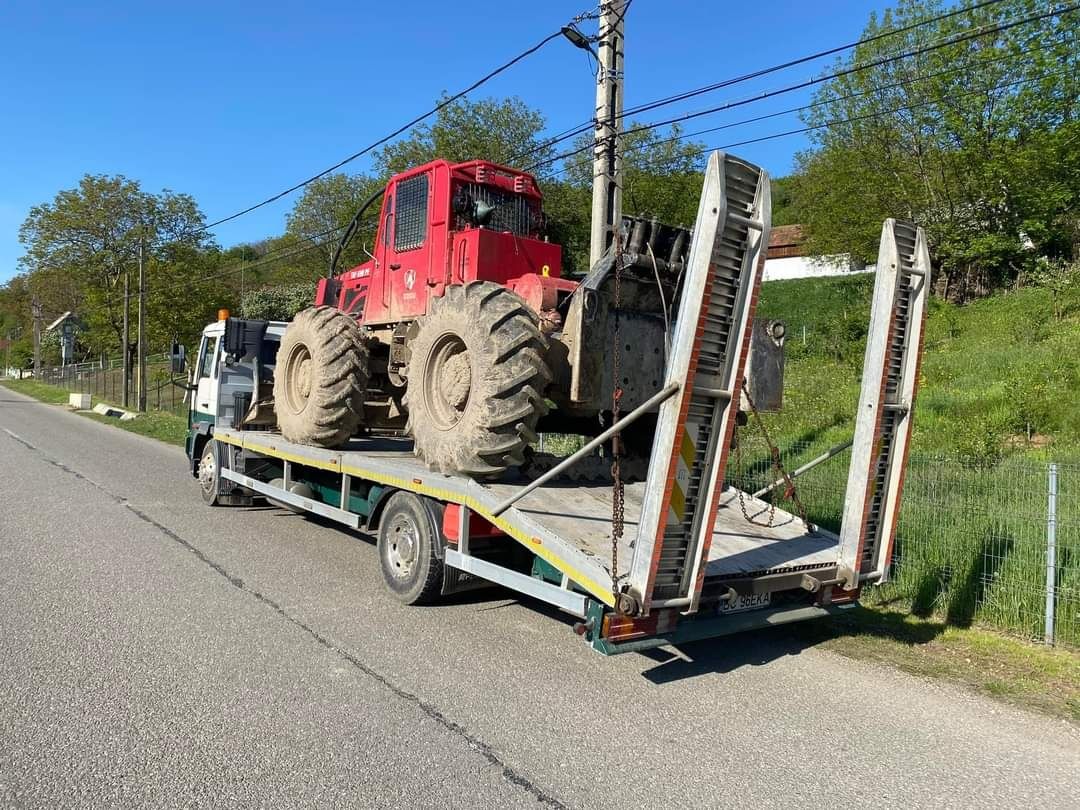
204 406
406 247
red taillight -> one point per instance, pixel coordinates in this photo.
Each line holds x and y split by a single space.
628 628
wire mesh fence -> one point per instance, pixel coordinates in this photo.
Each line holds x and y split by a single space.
104 381
973 540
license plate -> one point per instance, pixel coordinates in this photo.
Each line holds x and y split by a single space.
748 602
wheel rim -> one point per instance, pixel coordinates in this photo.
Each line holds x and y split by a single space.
298 368
402 545
448 381
208 472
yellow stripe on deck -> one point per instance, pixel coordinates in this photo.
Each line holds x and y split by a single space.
598 591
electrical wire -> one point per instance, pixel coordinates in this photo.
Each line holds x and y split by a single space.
585 126
270 257
1028 49
386 138
982 31
871 116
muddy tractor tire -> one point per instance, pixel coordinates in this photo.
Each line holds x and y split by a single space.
320 378
476 379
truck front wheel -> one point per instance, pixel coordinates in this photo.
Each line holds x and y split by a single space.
408 538
210 473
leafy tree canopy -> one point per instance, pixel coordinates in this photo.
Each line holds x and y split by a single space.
80 246
977 140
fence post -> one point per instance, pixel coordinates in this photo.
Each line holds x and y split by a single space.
1051 553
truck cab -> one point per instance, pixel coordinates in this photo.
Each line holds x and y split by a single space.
230 388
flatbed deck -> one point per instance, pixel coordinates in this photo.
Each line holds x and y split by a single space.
571 516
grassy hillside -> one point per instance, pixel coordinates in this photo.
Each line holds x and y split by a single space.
996 402
999 375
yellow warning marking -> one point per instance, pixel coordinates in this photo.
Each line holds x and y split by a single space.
683 464
545 270
678 502
687 450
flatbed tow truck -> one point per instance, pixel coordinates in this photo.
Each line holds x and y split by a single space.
688 565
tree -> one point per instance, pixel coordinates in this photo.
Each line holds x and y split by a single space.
189 285
79 246
329 203
975 140
503 131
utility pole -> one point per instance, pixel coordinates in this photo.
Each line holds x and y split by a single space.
126 353
35 310
607 164
142 330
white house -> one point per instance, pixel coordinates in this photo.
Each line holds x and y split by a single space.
787 258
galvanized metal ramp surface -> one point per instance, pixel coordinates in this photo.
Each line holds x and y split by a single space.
582 515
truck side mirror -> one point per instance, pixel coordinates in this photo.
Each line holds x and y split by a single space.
178 358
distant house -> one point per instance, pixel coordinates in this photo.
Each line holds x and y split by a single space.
68 327
787 258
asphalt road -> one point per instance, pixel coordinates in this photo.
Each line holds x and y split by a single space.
157 652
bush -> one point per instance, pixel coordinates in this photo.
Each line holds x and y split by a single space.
278 303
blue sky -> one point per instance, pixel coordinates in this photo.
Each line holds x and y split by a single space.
234 101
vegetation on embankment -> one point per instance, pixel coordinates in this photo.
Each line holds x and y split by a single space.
996 404
999 375
159 425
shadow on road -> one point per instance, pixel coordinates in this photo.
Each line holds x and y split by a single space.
671 664
759 647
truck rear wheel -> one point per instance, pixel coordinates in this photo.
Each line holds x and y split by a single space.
410 564
320 378
476 379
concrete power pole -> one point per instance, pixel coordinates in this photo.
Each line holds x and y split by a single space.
35 310
126 354
142 331
607 165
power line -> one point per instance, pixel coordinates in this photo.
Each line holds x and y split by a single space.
586 125
830 52
981 31
871 116
1029 48
441 105
270 257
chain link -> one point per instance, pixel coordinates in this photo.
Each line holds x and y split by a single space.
789 491
617 489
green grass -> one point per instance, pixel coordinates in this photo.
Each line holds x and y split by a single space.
1024 674
972 531
39 391
999 375
166 427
